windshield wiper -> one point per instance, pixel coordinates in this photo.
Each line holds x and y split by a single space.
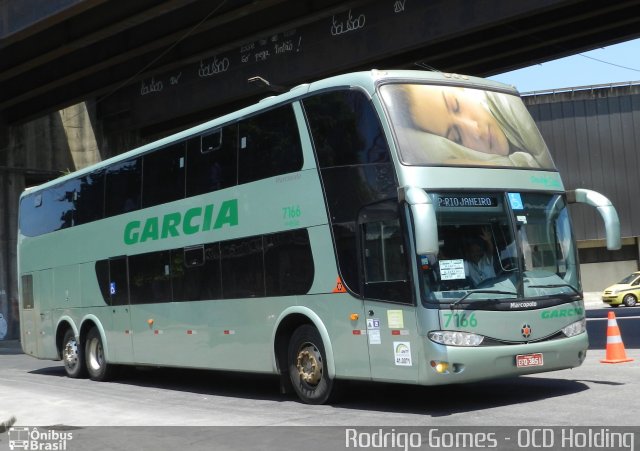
453 304
558 285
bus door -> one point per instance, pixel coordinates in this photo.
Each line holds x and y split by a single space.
392 334
150 295
118 331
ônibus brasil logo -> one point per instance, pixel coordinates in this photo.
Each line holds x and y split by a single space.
31 438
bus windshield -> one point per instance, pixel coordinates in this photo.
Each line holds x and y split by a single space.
456 126
500 246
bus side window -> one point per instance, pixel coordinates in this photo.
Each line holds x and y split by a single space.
123 186
269 145
384 257
163 178
355 166
212 161
150 278
346 129
242 268
113 280
288 263
90 198
195 273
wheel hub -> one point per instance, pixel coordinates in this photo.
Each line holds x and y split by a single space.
71 354
309 365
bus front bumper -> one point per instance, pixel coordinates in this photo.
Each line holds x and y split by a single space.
469 364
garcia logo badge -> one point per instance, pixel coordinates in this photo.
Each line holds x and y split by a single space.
526 330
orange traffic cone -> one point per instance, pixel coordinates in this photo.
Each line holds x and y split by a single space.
615 346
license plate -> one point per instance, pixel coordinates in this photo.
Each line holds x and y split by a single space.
527 360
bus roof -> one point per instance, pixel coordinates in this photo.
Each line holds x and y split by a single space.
367 80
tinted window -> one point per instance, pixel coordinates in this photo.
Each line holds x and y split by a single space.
232 269
28 216
163 179
196 275
269 145
90 198
71 203
123 185
149 278
242 268
288 263
118 281
212 161
102 274
48 210
349 188
345 129
386 273
61 200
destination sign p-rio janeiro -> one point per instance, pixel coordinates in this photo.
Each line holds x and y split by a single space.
467 201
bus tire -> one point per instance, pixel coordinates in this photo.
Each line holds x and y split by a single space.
306 361
73 356
97 366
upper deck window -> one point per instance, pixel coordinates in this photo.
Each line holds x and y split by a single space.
455 126
345 129
269 145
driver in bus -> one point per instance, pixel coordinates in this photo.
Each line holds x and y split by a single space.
478 258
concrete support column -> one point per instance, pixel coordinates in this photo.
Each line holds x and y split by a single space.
32 153
11 185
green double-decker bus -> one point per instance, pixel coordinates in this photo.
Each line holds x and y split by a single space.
397 226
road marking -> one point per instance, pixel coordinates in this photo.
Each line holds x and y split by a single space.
617 318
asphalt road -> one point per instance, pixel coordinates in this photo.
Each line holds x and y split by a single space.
628 320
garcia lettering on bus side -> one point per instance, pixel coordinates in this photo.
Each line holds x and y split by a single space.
194 220
564 313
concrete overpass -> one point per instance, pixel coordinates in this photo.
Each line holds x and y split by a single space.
157 64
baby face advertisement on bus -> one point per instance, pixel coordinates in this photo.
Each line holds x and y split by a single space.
456 126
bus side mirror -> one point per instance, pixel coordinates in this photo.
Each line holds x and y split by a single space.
424 219
606 210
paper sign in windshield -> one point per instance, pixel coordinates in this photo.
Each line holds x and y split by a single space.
452 269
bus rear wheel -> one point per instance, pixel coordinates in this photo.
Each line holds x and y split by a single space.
73 356
97 366
307 366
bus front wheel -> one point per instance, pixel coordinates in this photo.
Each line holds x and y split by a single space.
73 356
307 366
97 366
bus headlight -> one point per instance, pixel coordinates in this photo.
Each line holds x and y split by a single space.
576 328
454 338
